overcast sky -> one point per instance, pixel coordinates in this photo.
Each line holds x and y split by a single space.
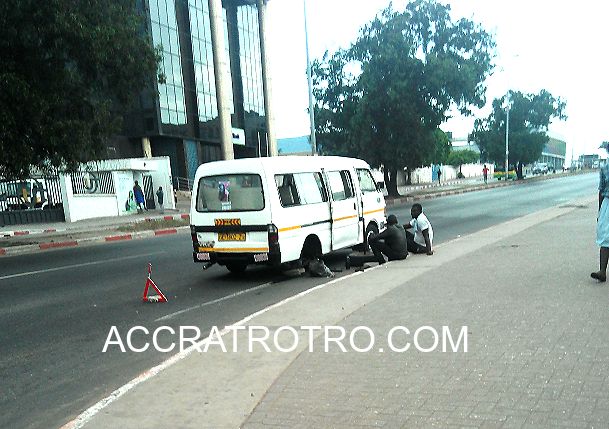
541 44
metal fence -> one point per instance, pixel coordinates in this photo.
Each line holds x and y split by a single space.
93 182
33 200
183 184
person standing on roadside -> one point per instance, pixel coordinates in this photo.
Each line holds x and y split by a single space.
439 174
139 198
159 197
602 222
485 173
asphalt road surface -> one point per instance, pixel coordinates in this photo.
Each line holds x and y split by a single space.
57 307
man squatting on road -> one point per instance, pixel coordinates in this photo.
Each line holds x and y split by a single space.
395 242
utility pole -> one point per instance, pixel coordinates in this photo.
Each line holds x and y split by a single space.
507 137
310 82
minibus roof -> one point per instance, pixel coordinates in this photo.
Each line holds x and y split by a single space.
285 163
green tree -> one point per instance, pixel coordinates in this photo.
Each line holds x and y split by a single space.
441 149
68 69
530 117
457 158
384 97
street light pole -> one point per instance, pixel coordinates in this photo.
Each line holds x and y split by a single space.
507 138
310 83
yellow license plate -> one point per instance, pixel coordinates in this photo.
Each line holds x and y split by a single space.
231 236
227 222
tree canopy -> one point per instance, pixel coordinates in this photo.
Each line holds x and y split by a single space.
67 68
530 116
383 98
457 158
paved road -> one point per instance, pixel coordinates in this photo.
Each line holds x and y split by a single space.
58 306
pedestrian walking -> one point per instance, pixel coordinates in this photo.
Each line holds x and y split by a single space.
139 198
439 174
602 222
422 239
390 243
159 197
485 173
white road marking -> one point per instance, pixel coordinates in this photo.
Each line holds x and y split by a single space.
85 264
90 412
215 301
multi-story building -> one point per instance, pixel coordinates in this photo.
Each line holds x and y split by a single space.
208 47
554 153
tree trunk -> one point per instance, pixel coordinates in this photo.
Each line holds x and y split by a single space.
519 170
391 181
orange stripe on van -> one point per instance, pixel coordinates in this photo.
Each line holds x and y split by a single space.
345 218
235 250
290 228
374 211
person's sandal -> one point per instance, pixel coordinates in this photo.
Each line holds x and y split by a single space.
598 277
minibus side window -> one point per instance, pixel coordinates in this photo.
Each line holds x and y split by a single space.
286 186
310 188
366 181
340 185
300 189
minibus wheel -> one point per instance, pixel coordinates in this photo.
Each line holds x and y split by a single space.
370 231
236 268
311 250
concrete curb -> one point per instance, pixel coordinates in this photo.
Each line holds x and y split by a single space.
31 248
179 216
30 231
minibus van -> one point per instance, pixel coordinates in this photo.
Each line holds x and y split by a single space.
282 210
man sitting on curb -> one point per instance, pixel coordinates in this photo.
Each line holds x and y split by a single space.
391 242
421 240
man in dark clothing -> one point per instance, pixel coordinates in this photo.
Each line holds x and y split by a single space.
139 198
391 243
159 196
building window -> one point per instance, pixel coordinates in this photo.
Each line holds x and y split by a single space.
165 34
200 33
251 60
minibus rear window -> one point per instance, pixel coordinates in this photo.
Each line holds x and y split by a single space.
230 193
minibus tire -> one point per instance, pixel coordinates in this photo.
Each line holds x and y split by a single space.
236 268
372 229
311 249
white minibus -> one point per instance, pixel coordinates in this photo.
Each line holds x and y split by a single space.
281 210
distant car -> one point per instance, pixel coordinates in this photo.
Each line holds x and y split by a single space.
540 168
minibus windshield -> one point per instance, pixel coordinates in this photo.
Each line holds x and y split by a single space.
230 193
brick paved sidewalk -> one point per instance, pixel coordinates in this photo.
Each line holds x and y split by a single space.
537 352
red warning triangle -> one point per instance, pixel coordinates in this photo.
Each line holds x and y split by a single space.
159 297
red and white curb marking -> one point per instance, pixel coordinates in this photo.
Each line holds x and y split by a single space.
28 232
19 233
30 248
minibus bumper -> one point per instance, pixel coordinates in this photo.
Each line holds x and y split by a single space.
222 258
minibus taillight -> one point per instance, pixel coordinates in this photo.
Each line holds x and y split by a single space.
273 236
193 235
